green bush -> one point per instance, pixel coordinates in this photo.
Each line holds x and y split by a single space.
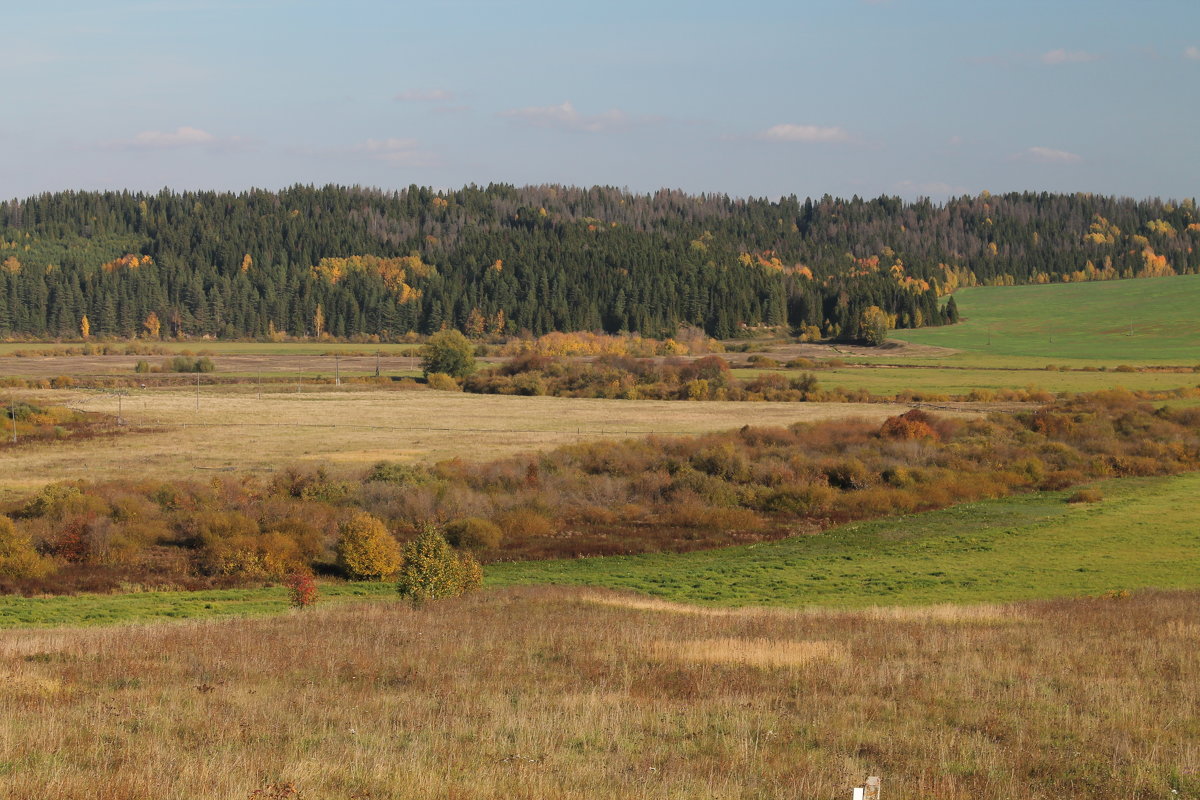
433 570
449 352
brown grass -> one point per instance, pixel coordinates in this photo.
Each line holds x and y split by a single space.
539 693
750 652
239 430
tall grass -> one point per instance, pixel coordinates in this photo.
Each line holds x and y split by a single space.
543 693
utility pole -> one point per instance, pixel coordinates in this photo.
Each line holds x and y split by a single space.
337 369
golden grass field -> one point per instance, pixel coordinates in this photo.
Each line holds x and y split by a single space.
563 693
237 428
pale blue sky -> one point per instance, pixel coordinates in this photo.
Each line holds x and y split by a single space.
909 97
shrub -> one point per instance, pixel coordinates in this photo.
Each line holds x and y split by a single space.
448 352
302 589
365 549
474 533
525 522
432 570
441 382
1092 495
18 559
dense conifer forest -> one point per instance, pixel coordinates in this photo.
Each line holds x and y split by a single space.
353 262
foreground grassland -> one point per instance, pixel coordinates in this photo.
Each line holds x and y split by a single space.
1133 322
1143 534
171 435
538 693
1026 547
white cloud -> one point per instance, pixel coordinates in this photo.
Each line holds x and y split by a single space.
397 152
1192 53
1048 155
1061 56
804 133
425 96
566 117
182 137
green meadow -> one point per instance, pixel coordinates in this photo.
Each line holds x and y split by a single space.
1145 533
1147 321
950 380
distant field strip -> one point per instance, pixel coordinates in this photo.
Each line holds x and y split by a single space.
1145 534
1143 321
349 430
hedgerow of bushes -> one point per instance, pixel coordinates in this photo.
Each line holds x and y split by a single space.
640 495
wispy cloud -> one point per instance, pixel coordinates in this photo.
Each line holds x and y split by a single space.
1192 53
425 96
929 188
180 138
567 117
397 152
1046 155
788 132
1061 56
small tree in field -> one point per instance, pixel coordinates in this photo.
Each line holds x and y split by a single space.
302 589
365 549
449 352
433 570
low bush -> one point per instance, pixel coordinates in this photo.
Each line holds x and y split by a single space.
474 533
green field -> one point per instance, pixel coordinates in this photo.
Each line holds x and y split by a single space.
1144 534
1149 321
889 380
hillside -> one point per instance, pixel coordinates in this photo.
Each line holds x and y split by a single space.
355 262
1133 321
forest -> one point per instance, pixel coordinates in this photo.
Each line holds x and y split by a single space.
351 262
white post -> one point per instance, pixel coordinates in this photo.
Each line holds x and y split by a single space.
858 793
872 789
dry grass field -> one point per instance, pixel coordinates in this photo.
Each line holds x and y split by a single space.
557 693
238 428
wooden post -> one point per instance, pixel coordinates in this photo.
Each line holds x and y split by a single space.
872 789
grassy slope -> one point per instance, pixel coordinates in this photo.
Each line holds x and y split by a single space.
1079 321
1032 546
888 381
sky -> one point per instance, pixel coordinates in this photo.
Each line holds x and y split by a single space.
762 98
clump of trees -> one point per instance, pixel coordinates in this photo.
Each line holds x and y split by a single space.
623 377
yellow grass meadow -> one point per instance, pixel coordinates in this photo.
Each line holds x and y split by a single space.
180 433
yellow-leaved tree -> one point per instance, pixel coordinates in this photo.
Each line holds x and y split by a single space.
432 569
366 550
18 559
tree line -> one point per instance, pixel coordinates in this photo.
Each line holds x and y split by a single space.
499 260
